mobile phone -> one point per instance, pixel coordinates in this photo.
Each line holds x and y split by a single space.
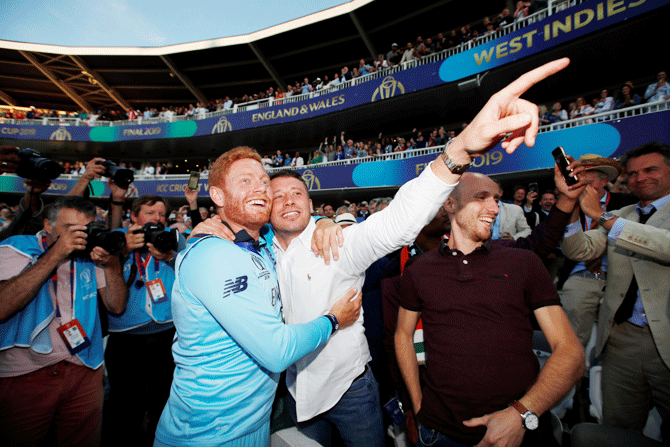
193 180
562 161
532 187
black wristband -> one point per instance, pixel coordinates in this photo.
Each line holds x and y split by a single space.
117 202
333 322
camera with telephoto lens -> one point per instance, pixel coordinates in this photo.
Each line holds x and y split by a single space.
97 235
123 177
156 234
35 167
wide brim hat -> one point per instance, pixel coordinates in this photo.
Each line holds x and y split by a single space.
609 166
345 218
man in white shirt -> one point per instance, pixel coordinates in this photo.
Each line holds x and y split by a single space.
333 385
298 161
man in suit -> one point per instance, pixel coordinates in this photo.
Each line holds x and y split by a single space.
634 321
511 219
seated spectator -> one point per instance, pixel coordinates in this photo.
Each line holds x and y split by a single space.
659 91
627 98
362 151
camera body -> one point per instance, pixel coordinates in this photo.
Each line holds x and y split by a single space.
162 240
97 235
123 177
35 167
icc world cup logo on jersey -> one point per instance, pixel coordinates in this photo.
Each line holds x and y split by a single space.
311 180
388 89
223 125
61 134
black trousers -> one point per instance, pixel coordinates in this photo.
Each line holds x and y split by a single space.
140 369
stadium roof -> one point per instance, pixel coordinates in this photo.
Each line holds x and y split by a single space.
90 78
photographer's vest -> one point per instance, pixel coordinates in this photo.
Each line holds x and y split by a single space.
29 327
139 271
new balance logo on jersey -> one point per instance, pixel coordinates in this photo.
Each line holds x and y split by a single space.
236 285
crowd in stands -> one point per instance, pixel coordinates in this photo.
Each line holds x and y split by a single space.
398 54
626 96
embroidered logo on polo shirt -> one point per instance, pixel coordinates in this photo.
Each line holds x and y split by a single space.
236 285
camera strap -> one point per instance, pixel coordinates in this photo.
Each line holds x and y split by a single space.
72 333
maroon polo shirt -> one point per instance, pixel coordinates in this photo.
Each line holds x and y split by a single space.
477 331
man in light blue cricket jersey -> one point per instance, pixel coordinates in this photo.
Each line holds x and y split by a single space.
231 341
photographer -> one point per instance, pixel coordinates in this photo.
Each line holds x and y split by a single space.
139 356
51 348
96 168
28 218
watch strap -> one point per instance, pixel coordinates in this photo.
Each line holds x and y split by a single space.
518 406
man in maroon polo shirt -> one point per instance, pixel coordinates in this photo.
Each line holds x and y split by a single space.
476 299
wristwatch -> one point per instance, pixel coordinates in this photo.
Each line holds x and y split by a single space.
604 217
453 167
529 420
333 321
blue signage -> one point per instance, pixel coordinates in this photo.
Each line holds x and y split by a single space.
608 139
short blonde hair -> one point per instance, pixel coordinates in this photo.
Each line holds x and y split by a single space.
222 164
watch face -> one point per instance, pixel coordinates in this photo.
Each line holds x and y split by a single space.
531 421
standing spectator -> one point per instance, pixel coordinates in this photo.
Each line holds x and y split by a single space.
306 87
394 56
409 55
298 161
633 322
364 69
605 103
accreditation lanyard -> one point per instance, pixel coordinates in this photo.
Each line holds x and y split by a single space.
154 287
72 333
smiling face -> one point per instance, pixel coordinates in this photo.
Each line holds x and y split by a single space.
648 177
243 197
291 207
473 208
547 201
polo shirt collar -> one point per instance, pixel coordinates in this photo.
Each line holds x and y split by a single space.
485 247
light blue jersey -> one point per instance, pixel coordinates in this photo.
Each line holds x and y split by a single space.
231 343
